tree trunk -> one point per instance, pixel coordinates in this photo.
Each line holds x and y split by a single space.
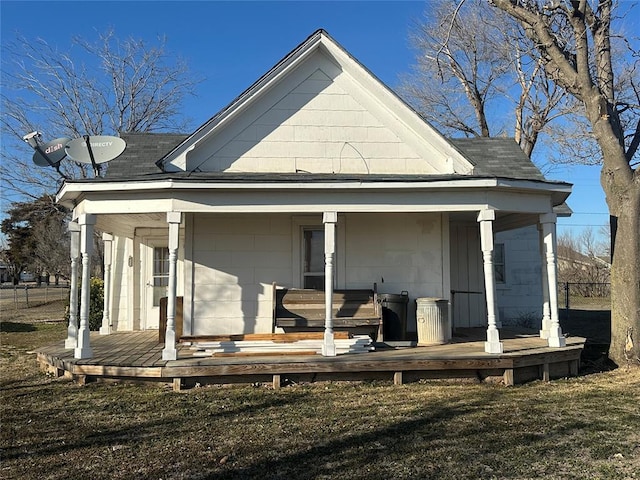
574 68
625 282
621 185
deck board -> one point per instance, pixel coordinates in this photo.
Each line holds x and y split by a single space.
138 355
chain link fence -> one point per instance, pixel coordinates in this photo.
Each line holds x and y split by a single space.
584 296
28 296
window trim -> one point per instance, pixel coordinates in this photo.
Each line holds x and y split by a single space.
298 222
306 249
501 263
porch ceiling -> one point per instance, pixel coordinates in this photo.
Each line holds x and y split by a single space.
125 225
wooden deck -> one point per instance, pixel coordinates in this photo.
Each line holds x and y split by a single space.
138 356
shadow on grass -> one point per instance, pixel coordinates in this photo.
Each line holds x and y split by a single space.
595 326
375 452
16 327
382 452
173 423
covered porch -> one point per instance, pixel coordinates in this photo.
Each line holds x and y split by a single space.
224 252
137 356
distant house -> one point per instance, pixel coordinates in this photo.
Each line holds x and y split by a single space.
4 273
28 277
589 275
318 171
571 262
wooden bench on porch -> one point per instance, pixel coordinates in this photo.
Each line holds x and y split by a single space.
356 311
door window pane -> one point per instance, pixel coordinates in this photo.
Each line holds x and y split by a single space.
313 258
160 273
499 263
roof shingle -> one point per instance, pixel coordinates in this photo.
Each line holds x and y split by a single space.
141 154
497 157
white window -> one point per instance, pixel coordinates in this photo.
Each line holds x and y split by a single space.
499 263
160 273
313 258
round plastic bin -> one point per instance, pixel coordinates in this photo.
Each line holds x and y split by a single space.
432 316
394 315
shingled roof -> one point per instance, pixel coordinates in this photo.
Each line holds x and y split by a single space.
497 157
141 154
491 157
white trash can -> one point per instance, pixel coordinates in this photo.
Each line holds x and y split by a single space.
432 315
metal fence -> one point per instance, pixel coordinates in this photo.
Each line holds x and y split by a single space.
584 296
27 296
571 295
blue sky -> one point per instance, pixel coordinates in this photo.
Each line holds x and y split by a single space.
231 44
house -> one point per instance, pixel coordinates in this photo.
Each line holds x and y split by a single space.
574 266
5 276
317 175
583 275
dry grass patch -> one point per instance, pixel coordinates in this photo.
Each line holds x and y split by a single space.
581 428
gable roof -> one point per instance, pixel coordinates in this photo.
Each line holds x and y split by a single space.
433 145
568 254
148 154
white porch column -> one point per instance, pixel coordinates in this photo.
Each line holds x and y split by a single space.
83 348
493 343
170 352
105 329
546 310
72 329
548 221
329 219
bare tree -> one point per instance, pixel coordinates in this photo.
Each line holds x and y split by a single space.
579 263
473 62
97 88
574 41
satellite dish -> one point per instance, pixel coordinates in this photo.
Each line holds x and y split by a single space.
51 154
95 149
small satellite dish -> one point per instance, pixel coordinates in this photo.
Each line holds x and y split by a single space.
53 150
95 149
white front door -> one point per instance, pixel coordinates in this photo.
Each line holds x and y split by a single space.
156 281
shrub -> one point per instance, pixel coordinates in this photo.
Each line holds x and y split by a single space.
96 304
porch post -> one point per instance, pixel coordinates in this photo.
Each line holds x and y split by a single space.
546 311
486 218
548 221
329 219
105 329
83 348
170 352
72 329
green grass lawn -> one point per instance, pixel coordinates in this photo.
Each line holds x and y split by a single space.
580 428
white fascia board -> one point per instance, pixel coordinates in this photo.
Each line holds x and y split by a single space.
71 191
533 185
353 196
559 191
